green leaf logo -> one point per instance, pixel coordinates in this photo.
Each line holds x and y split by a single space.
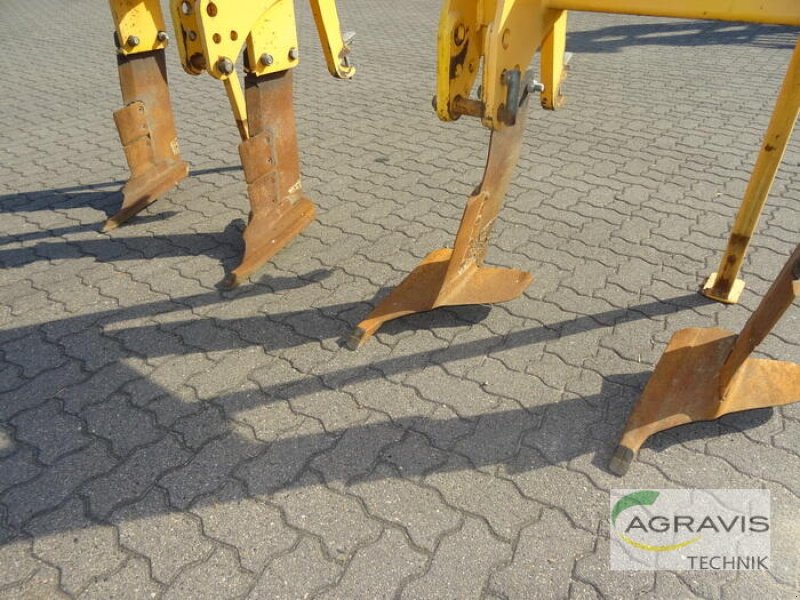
640 498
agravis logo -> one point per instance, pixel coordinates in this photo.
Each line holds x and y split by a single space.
690 529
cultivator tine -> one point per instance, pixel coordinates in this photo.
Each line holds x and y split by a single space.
705 373
271 162
147 131
457 277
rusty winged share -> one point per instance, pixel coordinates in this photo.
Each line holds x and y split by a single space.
706 373
496 39
210 35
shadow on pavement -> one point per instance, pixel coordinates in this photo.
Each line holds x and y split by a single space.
214 454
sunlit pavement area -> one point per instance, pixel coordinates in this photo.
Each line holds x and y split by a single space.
162 438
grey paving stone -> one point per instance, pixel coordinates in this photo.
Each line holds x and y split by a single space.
55 484
298 574
208 468
170 540
419 510
219 576
17 562
540 564
50 430
135 475
88 552
285 459
125 426
378 570
478 493
462 565
17 467
356 451
131 582
255 529
42 584
337 519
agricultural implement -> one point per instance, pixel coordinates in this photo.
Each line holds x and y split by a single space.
496 40
210 36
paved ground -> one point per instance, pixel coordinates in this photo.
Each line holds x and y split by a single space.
162 438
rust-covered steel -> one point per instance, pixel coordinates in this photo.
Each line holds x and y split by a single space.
706 373
147 131
271 162
457 277
211 36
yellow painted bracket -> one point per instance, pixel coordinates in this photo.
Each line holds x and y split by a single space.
187 36
266 26
334 46
459 51
139 26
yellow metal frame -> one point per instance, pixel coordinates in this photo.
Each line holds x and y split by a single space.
505 34
140 21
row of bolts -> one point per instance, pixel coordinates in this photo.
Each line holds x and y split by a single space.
225 65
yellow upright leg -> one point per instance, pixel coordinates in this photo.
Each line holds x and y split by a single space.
553 64
723 285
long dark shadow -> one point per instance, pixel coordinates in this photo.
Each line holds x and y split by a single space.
166 475
683 33
48 198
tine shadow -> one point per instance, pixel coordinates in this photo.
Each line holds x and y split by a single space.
81 195
158 475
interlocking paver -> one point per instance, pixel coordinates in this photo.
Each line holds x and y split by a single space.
160 437
298 574
89 552
169 540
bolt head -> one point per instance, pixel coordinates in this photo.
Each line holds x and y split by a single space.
294 53
162 36
266 59
535 87
225 66
133 41
186 8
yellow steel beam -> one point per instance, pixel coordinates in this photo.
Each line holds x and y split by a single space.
552 63
723 285
774 12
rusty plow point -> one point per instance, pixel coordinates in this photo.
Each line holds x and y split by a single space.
457 277
270 158
265 236
432 285
147 131
706 373
140 192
